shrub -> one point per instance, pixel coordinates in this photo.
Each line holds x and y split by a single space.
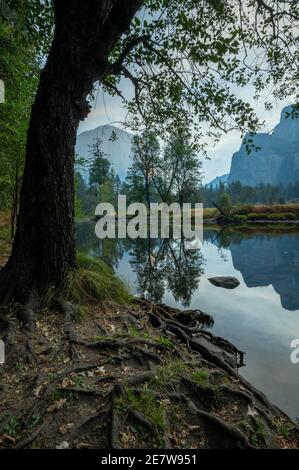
225 203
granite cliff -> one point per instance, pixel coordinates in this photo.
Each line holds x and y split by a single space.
277 161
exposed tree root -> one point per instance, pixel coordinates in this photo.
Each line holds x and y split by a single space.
23 443
166 383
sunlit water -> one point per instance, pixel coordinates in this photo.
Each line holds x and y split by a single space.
260 316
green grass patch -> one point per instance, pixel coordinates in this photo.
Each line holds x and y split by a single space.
35 420
136 333
164 341
201 377
11 427
271 216
282 216
166 373
147 404
94 281
209 212
257 437
58 395
284 430
5 233
246 209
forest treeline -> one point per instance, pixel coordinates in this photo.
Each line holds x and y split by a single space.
171 172
168 172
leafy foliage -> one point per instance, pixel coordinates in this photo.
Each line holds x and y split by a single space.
164 174
225 203
25 32
187 58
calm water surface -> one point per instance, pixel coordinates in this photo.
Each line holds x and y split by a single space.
260 316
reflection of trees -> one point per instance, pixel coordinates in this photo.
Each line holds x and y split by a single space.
223 239
159 264
144 259
166 265
110 250
183 268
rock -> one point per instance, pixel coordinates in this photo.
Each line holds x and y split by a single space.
227 282
277 160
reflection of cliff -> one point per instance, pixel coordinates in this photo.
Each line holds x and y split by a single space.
264 260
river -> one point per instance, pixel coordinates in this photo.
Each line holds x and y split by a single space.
260 316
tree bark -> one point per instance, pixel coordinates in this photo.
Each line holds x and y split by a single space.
44 245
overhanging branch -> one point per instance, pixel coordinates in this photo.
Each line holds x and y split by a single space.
129 46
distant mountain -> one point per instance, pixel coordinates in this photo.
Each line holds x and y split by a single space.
116 144
219 179
277 162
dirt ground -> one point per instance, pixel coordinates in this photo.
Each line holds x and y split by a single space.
137 376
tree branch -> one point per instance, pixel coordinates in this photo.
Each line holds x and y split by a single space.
129 46
113 88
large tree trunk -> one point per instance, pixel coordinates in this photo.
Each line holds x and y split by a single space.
44 245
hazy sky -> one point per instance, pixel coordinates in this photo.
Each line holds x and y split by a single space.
107 109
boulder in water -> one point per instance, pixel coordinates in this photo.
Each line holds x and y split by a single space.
228 282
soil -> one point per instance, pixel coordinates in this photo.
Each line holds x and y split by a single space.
136 376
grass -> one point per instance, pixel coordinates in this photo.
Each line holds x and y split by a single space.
252 212
78 381
267 216
35 420
210 212
284 430
11 427
146 403
136 333
257 437
5 233
166 373
58 395
201 377
164 341
94 281
266 209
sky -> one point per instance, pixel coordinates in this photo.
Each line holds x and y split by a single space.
110 110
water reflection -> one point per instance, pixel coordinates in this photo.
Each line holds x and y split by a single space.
110 250
166 265
264 258
160 265
253 317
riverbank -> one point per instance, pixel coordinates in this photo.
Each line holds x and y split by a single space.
128 374
254 214
141 375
